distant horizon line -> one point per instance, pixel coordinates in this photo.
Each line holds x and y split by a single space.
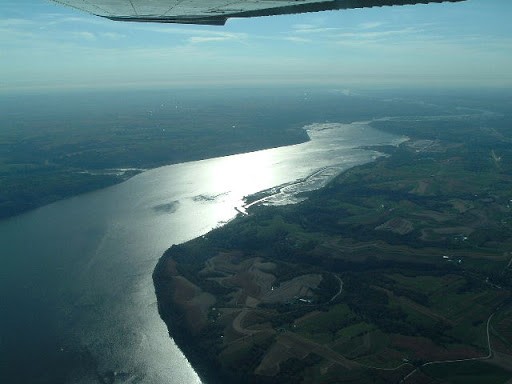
439 86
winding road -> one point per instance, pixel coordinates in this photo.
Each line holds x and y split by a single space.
488 356
339 290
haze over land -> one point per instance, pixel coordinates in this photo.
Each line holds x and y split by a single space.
394 219
82 267
399 269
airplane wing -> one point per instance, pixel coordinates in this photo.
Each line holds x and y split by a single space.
216 12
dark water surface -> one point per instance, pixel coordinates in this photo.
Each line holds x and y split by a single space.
78 301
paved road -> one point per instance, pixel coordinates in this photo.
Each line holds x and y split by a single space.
339 290
488 356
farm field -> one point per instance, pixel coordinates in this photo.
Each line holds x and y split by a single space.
391 272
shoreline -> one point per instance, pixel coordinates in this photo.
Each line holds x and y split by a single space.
116 176
182 263
207 369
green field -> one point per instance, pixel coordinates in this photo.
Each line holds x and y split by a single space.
421 241
468 373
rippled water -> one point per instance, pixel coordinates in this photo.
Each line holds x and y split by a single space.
76 284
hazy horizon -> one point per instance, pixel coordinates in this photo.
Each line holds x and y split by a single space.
45 46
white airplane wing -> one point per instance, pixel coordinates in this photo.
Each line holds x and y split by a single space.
216 12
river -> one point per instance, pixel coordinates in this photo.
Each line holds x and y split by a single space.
78 303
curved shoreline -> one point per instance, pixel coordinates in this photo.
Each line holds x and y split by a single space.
111 176
206 368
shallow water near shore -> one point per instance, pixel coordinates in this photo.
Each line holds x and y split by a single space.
77 293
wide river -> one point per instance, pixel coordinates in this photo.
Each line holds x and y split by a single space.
78 301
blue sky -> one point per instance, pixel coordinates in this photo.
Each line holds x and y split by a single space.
47 46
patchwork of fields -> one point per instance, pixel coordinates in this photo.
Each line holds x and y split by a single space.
392 272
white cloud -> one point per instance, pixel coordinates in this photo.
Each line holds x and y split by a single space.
303 26
371 25
15 22
379 34
113 35
297 39
88 36
205 39
58 18
316 30
185 30
214 36
65 50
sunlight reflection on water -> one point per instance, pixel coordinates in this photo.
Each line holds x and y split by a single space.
94 262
